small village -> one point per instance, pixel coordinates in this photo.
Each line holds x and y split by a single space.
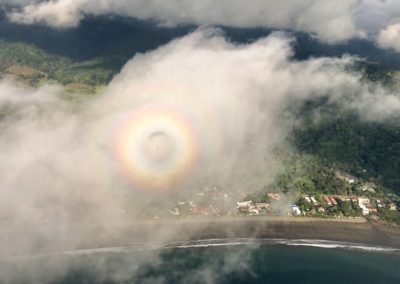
366 201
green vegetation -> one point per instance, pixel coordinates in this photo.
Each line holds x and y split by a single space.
307 174
369 150
390 216
349 208
35 65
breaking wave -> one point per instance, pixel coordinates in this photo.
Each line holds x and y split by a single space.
298 242
208 243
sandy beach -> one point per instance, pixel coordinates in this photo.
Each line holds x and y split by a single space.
357 230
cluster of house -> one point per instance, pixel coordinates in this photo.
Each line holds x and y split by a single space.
190 208
351 180
317 206
210 201
371 206
252 208
367 205
204 211
214 202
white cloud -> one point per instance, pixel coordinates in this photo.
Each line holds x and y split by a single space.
329 21
65 13
374 15
390 37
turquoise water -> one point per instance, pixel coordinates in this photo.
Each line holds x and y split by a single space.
227 262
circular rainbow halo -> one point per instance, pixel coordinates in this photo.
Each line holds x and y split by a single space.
156 146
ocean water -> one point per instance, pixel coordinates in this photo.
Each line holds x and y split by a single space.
213 261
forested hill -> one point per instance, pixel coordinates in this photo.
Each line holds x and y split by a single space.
369 150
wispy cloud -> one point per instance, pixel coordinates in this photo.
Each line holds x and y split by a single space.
329 21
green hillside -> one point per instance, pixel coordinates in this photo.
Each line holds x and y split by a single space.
35 65
370 150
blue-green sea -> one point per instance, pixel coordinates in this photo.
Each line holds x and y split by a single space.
214 261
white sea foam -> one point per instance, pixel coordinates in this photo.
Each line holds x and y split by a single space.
340 245
206 243
300 242
209 245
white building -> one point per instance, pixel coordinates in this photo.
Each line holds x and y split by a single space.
174 212
296 210
254 211
370 187
362 202
244 204
314 200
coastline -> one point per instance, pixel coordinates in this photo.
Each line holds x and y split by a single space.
357 230
164 232
203 219
350 230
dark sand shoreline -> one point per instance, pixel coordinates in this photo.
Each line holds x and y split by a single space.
164 232
358 230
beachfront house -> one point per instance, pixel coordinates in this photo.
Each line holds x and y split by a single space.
363 203
296 210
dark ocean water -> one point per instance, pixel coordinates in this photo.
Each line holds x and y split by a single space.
213 262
